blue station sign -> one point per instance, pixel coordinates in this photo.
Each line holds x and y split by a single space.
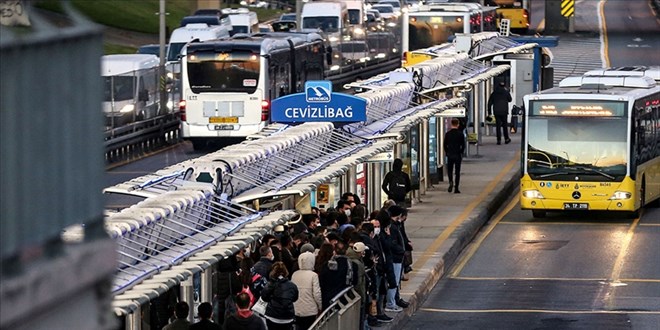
318 103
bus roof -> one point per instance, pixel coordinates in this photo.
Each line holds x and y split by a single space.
263 43
118 64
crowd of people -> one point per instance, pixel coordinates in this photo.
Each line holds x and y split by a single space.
297 272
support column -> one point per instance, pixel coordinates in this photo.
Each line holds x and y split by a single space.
424 179
134 320
188 295
206 294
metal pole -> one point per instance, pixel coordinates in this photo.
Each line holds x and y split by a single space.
134 320
206 293
161 67
188 295
424 152
299 5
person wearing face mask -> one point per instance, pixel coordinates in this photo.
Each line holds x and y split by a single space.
264 265
398 251
380 288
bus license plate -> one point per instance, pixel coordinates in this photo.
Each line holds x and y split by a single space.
223 120
576 206
223 127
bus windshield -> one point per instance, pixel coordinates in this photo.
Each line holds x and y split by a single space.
118 88
562 148
232 71
327 24
428 31
173 51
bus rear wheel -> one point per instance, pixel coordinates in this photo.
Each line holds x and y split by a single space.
538 214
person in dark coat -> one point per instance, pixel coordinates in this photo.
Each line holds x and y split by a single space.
396 183
336 274
205 311
454 146
498 103
280 294
265 263
244 318
181 311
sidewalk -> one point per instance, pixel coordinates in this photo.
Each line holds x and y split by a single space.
443 223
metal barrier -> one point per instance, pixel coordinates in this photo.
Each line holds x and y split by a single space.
124 142
343 312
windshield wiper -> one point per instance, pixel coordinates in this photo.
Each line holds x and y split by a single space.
547 175
590 170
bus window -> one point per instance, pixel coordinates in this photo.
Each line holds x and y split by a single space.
237 71
430 31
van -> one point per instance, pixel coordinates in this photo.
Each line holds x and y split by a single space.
242 20
130 86
183 35
329 17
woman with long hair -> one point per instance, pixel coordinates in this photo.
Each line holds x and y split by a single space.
325 254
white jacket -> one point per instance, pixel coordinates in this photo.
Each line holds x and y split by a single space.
309 290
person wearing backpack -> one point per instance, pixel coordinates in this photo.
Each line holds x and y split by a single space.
280 294
396 183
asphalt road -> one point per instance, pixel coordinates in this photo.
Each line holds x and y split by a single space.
632 33
568 271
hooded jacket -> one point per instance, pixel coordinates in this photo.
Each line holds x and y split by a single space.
280 294
309 289
356 258
499 101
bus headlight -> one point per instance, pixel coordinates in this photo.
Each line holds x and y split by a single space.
618 195
532 194
127 108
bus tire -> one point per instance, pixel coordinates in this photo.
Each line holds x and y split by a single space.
538 214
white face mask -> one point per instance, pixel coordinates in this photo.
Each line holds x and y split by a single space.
347 212
377 231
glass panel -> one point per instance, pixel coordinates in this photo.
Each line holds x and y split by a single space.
427 31
593 148
327 24
119 88
235 71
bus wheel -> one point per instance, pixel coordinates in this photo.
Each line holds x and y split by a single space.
538 214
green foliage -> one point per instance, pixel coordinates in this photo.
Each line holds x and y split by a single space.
109 49
139 16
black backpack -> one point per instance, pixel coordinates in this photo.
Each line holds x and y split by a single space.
397 186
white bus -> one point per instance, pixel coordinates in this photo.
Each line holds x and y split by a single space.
227 85
432 25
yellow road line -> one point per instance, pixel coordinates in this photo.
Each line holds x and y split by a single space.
472 278
618 263
641 280
466 212
544 311
620 259
565 223
476 244
603 32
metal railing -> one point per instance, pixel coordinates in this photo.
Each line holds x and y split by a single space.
343 312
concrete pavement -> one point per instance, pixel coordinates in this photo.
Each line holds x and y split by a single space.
441 224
